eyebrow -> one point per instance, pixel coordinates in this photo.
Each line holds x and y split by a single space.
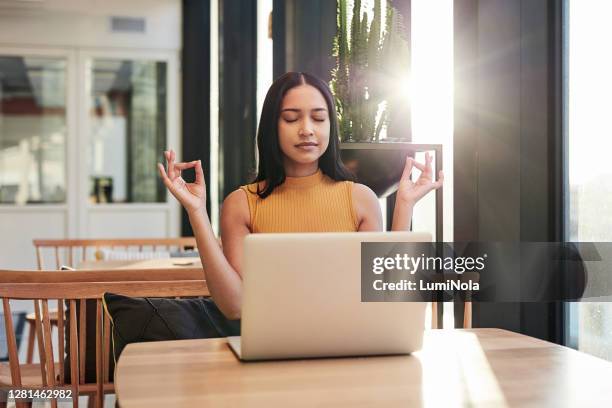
299 110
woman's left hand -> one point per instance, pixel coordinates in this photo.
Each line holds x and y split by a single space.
409 192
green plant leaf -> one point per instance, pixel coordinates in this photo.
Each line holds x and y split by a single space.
370 61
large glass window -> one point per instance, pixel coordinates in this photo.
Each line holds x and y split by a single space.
127 130
431 92
589 85
32 130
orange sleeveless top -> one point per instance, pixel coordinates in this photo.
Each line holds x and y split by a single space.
314 203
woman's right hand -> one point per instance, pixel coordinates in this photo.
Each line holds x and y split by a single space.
192 196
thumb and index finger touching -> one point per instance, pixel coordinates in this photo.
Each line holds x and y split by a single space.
174 169
424 168
412 163
197 165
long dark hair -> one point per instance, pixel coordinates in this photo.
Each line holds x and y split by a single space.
270 167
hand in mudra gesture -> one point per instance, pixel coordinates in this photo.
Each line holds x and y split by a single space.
409 191
191 195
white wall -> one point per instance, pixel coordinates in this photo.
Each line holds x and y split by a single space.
86 23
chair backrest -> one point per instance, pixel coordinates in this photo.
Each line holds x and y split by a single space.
102 275
70 251
72 288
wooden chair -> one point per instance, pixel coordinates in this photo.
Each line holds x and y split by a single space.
67 252
74 287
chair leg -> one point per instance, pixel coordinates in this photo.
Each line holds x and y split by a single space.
467 315
434 315
91 401
31 340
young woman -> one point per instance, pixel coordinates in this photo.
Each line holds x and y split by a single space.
301 186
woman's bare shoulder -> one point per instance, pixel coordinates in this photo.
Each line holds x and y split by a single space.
363 193
236 207
367 208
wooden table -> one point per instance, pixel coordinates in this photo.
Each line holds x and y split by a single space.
162 263
477 367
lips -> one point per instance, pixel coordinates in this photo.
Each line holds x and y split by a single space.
307 144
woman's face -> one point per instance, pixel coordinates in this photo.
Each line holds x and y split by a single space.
303 126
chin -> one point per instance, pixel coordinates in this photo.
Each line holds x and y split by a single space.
307 158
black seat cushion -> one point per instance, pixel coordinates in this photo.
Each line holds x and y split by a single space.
136 320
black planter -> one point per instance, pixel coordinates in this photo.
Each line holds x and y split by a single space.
380 165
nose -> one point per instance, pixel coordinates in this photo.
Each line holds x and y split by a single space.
306 129
305 133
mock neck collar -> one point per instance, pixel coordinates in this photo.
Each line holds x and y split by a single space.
305 181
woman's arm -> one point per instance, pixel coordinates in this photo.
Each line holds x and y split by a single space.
222 273
222 278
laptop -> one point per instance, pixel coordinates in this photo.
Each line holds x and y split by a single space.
302 298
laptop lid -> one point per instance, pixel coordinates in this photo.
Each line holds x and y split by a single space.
302 298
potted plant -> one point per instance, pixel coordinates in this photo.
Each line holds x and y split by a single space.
371 92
